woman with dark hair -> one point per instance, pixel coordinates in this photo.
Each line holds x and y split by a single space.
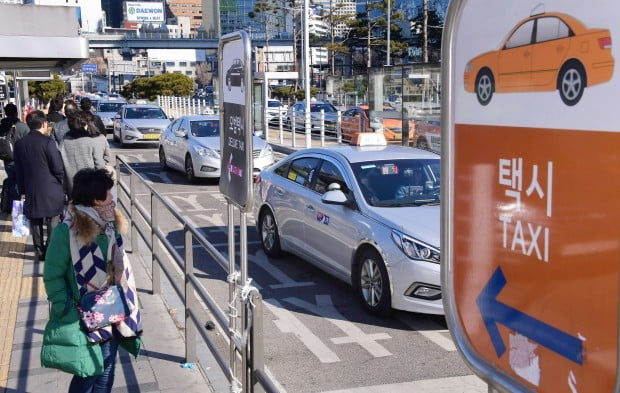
86 254
83 147
54 114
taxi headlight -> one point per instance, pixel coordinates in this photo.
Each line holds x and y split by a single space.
266 151
415 249
206 152
129 127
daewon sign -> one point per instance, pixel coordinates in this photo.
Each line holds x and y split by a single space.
532 166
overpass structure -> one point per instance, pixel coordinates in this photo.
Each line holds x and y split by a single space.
163 41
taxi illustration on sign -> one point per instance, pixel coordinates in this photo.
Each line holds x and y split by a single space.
544 52
234 75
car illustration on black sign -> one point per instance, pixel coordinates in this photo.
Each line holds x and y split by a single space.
234 75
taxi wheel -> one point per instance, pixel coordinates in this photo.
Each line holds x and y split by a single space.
571 82
269 237
162 159
189 170
485 86
372 283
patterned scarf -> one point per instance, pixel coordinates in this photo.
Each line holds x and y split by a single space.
92 272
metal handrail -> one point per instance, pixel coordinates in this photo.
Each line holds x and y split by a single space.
261 381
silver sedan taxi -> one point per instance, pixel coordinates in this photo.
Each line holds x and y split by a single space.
367 215
191 144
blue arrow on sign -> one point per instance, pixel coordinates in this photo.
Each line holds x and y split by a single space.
494 312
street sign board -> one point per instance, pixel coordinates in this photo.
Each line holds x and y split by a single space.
236 119
531 239
89 68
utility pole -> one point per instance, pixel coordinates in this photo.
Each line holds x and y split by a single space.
307 66
389 28
425 31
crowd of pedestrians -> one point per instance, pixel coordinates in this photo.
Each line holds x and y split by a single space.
61 168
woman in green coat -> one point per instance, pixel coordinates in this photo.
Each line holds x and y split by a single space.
85 253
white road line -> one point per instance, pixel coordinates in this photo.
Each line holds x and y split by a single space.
285 281
287 322
430 330
465 384
226 244
353 334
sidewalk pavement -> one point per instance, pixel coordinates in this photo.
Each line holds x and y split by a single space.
24 313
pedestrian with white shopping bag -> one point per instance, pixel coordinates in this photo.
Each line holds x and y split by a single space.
40 174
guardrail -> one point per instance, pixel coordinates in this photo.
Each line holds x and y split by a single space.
181 106
164 257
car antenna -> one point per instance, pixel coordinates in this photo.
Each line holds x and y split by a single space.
539 9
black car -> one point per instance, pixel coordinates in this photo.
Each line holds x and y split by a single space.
234 75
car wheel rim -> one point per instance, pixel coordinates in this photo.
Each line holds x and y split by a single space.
484 87
571 84
268 232
371 283
189 169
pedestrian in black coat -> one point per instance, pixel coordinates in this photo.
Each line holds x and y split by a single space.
40 173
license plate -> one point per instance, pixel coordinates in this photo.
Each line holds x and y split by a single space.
150 136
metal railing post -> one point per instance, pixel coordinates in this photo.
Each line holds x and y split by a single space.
322 128
257 354
190 298
232 288
339 127
293 126
281 128
133 213
155 268
243 262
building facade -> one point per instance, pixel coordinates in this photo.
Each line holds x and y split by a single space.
191 9
88 12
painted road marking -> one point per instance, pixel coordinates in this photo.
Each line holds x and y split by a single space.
285 281
324 308
163 177
429 329
192 199
466 384
289 323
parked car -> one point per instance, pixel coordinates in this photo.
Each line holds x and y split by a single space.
544 52
139 124
298 112
358 119
428 133
367 215
191 144
273 111
107 110
234 75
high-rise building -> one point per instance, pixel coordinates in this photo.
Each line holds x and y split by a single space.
340 8
113 12
191 9
234 15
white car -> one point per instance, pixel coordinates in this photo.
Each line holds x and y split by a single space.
191 144
139 124
273 111
367 215
107 110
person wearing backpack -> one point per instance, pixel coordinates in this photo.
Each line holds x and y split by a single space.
11 130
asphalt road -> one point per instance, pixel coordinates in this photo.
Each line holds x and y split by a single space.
317 336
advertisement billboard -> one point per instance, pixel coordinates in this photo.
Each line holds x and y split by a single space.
144 12
531 235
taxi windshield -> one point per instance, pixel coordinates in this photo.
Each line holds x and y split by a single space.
399 183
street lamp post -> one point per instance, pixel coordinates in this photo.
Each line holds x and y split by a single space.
389 25
307 66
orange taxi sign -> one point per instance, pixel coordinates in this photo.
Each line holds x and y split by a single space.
531 214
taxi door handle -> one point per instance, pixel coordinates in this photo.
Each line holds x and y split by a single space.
560 48
279 191
310 207
526 54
